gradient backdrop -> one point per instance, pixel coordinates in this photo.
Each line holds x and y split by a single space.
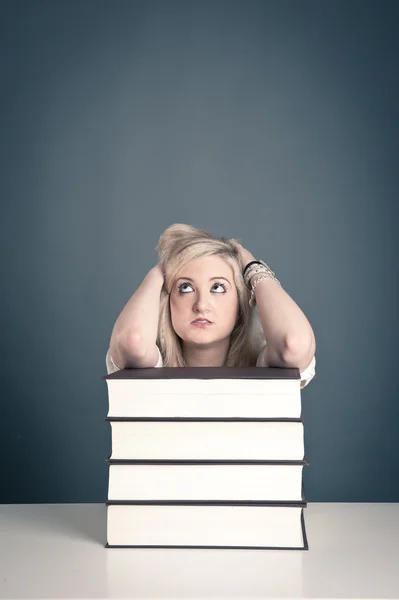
276 122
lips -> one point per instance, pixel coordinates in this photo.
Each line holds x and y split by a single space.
200 321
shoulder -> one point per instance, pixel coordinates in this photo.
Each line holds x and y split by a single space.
112 367
306 375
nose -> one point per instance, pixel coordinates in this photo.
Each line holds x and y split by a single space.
201 301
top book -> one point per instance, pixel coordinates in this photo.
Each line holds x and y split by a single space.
205 393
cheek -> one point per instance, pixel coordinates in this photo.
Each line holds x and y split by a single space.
176 305
236 310
175 302
230 310
179 301
172 305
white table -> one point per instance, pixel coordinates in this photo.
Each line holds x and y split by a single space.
57 551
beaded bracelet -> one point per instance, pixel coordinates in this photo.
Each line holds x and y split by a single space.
271 275
254 268
258 268
253 262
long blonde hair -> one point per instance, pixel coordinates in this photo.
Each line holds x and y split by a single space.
178 245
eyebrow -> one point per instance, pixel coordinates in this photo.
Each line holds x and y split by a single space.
211 279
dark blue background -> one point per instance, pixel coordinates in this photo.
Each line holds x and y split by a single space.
276 122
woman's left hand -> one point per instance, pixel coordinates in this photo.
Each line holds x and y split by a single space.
246 255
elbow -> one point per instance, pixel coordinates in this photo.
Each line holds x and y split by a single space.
298 352
135 344
131 343
131 351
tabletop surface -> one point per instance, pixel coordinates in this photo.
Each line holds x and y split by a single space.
57 551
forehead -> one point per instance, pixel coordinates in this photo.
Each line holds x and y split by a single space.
210 266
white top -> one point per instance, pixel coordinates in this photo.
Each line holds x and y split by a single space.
306 375
57 551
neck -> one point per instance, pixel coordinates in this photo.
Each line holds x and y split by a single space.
206 356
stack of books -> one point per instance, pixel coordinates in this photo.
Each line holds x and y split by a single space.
206 457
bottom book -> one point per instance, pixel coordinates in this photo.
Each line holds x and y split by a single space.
162 525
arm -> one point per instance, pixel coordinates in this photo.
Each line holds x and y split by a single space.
133 339
289 335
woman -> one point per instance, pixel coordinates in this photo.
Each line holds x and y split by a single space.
197 307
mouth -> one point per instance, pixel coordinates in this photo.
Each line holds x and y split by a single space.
201 322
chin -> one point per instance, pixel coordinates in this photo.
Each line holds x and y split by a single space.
204 338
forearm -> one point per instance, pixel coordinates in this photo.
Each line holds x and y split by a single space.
139 317
289 335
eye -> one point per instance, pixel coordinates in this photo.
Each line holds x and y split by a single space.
220 285
182 285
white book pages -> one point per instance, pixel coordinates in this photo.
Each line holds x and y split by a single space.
207 440
205 482
191 398
206 525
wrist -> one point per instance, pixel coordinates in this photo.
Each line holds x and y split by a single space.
257 279
261 277
156 274
253 278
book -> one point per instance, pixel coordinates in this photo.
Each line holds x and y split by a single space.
227 525
208 457
185 481
207 392
220 440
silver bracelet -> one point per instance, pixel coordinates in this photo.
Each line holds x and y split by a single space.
253 271
259 267
252 299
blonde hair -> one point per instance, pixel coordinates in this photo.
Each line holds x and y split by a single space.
178 245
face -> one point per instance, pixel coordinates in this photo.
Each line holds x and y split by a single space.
204 289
